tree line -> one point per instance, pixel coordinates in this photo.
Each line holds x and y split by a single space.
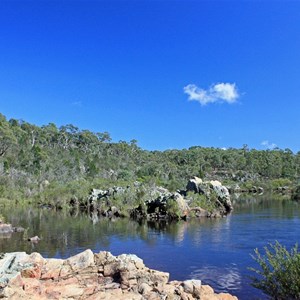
34 159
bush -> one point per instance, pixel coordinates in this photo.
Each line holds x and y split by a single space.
280 182
173 209
279 273
203 201
296 193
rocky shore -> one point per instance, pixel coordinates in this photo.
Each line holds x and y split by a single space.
199 199
93 277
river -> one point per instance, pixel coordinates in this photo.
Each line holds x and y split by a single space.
217 251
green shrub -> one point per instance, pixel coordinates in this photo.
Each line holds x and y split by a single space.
201 200
296 193
279 273
173 209
280 182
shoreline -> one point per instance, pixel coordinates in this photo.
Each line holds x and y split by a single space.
92 276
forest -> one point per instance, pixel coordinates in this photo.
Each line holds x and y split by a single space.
38 162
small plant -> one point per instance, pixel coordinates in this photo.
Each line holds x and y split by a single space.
279 273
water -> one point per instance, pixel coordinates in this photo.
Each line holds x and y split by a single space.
215 251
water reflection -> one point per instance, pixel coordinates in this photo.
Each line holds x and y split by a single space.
217 251
228 278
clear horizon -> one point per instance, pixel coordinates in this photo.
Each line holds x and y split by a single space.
170 74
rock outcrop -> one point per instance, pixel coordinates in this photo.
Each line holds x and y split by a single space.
212 189
156 202
92 276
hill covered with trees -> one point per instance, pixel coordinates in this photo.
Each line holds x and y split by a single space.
47 161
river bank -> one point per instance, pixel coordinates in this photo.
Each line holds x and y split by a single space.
92 276
216 251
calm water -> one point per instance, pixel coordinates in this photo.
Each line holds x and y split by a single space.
215 251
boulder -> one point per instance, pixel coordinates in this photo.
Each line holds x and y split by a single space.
223 194
199 212
6 228
193 184
192 287
213 190
34 239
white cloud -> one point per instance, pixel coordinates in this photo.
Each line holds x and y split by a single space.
268 145
220 92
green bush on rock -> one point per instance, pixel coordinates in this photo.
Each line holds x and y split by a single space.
279 273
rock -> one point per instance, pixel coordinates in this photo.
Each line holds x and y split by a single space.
92 276
260 190
207 293
34 239
192 287
18 229
234 189
158 202
193 184
200 212
223 194
113 212
6 228
214 191
181 203
80 261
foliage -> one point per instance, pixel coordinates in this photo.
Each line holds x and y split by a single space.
296 193
279 273
201 200
72 160
173 209
2 219
280 182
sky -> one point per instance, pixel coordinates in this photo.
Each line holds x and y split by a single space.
170 74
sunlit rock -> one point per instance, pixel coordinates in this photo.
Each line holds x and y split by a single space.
92 276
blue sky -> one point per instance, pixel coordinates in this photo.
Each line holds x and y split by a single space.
170 74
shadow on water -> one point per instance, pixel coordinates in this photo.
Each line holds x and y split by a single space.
217 251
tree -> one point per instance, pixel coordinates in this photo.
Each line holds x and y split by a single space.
7 138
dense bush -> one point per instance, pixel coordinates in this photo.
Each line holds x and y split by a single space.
279 273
